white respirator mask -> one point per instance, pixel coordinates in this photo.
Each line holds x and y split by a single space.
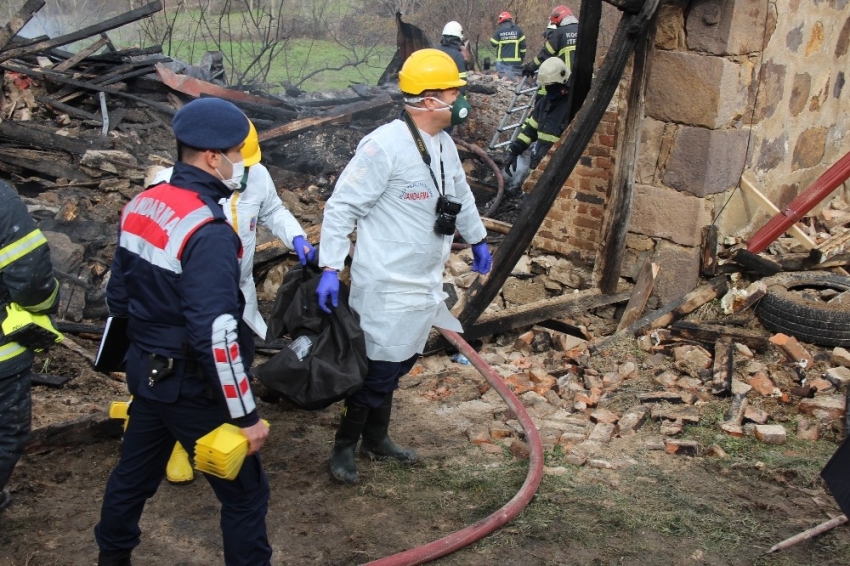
234 183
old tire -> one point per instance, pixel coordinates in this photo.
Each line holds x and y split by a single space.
785 309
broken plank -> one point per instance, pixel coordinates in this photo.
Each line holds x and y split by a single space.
197 88
335 116
49 167
60 78
19 20
68 63
831 247
112 23
722 371
640 294
766 203
676 309
709 334
496 225
88 429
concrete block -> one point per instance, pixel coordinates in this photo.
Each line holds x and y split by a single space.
720 28
705 162
826 408
669 214
695 89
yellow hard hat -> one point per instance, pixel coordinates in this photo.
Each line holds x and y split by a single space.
251 153
429 69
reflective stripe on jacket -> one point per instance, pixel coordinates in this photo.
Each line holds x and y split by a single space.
509 42
562 43
26 274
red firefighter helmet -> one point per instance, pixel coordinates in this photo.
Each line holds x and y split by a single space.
559 13
505 16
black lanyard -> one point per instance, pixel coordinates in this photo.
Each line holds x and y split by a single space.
423 151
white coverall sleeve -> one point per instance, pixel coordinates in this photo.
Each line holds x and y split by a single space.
360 185
275 216
468 221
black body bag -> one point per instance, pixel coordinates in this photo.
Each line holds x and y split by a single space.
326 360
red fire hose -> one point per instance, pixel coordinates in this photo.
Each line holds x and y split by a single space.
798 207
512 508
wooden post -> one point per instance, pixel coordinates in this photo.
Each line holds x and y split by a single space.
561 164
722 374
708 259
588 34
618 210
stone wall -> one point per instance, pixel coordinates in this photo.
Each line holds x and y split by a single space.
734 87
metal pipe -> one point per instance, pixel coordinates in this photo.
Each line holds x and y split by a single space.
512 508
801 205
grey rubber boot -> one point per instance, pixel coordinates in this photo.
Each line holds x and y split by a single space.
351 422
376 441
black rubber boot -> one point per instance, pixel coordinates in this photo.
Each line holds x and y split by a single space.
376 441
351 422
121 558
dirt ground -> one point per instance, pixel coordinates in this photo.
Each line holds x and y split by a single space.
652 508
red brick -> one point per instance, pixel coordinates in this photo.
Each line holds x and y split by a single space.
792 349
588 223
596 212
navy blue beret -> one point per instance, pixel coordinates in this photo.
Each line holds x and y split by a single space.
210 123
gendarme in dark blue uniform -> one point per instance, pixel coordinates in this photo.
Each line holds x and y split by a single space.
176 276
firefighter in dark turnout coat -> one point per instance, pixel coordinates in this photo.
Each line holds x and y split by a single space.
509 42
548 119
560 43
176 276
26 279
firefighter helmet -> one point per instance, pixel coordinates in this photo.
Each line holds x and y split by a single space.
553 70
559 13
505 16
453 29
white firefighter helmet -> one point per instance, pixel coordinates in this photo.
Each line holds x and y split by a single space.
454 29
553 70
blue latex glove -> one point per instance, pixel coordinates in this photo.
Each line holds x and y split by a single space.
481 260
305 250
328 287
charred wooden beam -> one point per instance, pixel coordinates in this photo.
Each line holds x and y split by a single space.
708 334
831 247
19 20
48 380
542 310
561 164
335 116
197 88
50 167
88 429
25 134
755 262
676 309
618 210
111 23
57 106
630 6
588 35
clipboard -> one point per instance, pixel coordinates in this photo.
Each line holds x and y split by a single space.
112 352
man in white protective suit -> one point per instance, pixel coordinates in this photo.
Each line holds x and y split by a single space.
256 201
406 193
